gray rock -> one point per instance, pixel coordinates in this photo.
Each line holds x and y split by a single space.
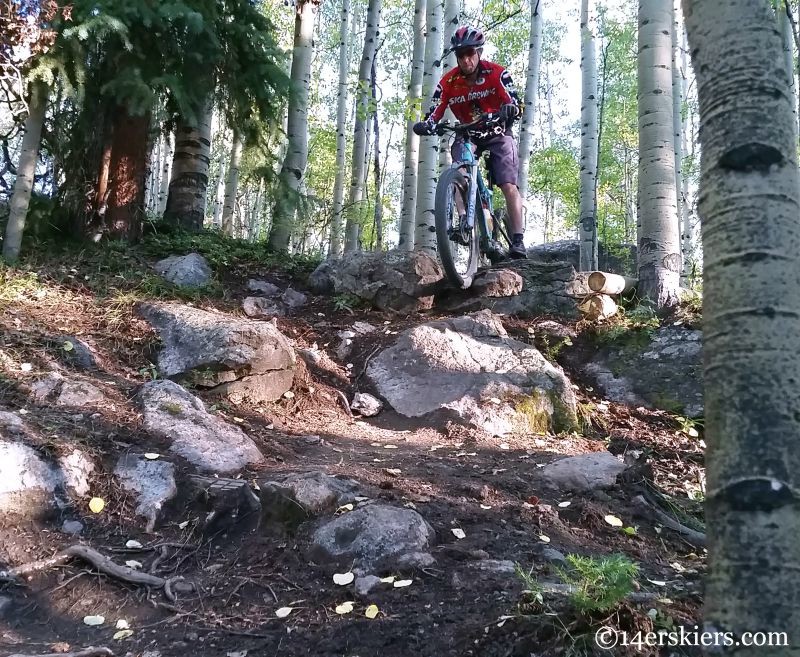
79 393
363 328
471 367
619 261
371 535
584 472
497 283
76 468
237 358
203 439
11 425
502 567
43 388
80 355
72 527
554 556
6 605
293 298
346 345
261 307
416 560
191 270
152 481
365 585
263 287
664 370
302 495
366 404
396 280
27 480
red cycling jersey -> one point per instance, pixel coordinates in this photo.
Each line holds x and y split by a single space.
491 90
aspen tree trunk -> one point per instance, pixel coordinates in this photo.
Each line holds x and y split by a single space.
168 153
232 184
356 196
427 169
531 94
659 239
451 12
219 196
337 222
677 124
749 203
589 130
415 99
186 202
26 171
784 9
296 158
687 204
376 167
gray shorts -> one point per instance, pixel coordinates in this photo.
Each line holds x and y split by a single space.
503 163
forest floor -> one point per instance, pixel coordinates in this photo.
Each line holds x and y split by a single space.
453 476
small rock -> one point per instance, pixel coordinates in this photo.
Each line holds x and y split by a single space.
191 270
263 287
261 307
312 440
365 585
183 587
293 298
363 328
79 355
43 388
417 560
583 472
192 636
79 393
495 566
553 555
72 527
497 283
76 467
154 481
346 345
366 404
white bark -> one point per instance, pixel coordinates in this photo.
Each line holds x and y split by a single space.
589 138
296 158
788 49
749 204
677 144
427 170
337 222
451 13
687 238
167 154
415 99
232 185
26 171
356 196
219 197
531 94
659 239
186 202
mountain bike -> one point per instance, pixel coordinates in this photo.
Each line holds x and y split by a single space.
465 233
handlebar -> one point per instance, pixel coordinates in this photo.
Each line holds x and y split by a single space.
488 120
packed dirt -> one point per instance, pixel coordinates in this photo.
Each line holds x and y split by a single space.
469 602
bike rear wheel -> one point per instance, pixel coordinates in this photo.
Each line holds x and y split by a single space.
458 246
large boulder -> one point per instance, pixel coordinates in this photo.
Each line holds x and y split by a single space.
191 270
394 280
231 356
33 479
203 439
617 259
660 369
372 536
469 366
547 288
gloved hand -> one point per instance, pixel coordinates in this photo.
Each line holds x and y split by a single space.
424 128
508 112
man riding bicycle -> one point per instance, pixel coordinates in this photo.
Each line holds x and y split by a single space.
475 87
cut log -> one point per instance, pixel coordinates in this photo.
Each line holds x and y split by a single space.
597 307
604 283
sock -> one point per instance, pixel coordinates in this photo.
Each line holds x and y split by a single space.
517 237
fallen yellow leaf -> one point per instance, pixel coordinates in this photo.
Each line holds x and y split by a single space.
96 504
344 608
372 611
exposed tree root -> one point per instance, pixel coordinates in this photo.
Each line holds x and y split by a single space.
100 562
693 536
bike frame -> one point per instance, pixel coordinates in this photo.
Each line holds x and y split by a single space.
475 179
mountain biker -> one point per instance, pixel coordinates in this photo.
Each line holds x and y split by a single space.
476 87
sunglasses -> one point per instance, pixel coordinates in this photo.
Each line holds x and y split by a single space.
465 52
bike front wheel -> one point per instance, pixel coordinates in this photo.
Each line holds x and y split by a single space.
457 244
